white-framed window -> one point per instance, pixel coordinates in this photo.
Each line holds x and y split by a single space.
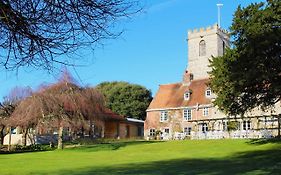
187 130
204 127
186 95
167 130
152 132
202 48
205 111
163 116
187 114
208 93
246 125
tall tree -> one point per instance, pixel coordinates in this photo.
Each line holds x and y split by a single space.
126 99
249 74
35 32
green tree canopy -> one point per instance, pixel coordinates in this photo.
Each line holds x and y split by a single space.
126 99
249 74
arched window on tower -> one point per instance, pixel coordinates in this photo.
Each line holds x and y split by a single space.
202 48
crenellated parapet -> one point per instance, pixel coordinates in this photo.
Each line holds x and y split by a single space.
207 30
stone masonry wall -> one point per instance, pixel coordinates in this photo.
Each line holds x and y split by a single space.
214 38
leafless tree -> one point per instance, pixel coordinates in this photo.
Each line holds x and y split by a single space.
8 106
60 105
37 32
6 109
17 94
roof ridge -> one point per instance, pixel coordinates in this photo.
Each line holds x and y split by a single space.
170 84
200 79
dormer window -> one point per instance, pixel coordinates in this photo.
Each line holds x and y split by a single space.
208 93
186 95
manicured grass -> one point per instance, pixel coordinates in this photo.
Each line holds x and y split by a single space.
216 157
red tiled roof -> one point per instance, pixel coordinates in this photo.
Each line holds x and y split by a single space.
172 95
109 115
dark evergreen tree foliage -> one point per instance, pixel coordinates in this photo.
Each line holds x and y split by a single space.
249 74
126 99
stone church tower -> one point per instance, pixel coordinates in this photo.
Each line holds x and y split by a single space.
185 109
202 45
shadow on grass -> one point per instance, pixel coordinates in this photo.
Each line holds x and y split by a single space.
86 148
264 141
22 152
109 146
254 162
25 149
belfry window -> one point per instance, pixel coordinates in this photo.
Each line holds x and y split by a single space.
202 48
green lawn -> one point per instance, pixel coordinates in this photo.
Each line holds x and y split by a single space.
173 157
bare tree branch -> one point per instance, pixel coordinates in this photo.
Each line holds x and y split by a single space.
35 32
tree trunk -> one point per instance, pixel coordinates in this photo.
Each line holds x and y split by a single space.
24 136
91 130
2 135
83 132
10 138
60 138
278 120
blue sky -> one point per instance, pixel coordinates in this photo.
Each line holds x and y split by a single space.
151 51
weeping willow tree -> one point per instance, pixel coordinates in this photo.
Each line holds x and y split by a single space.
60 105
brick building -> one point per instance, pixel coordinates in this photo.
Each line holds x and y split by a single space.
185 109
111 125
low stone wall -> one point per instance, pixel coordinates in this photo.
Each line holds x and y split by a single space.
16 139
233 134
244 134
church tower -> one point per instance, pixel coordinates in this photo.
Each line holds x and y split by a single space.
202 45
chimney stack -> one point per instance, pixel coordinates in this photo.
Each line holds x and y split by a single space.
187 78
